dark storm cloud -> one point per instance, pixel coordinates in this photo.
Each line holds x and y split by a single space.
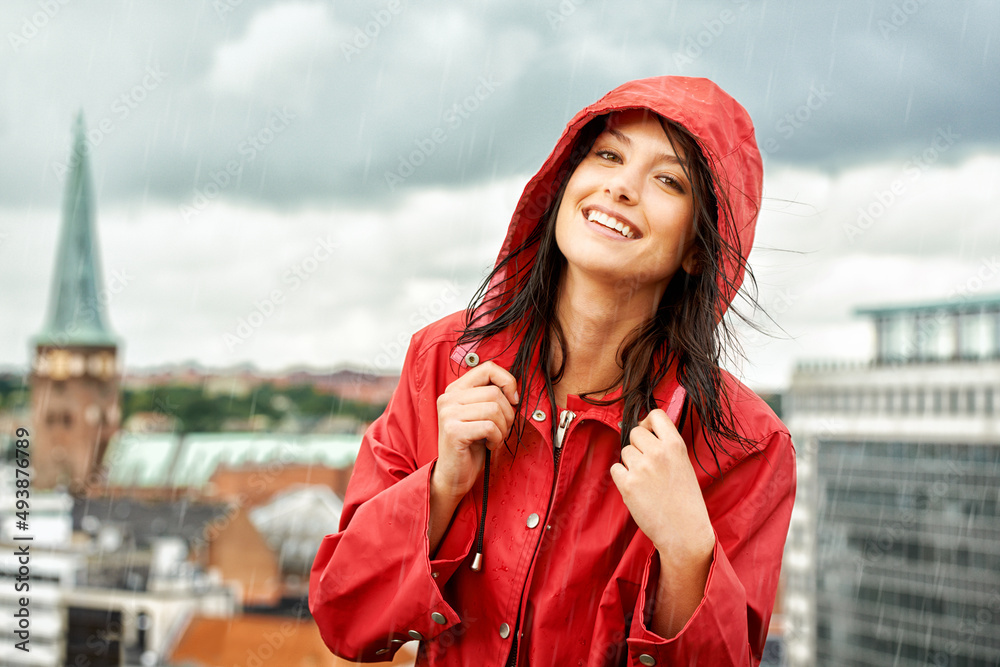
292 102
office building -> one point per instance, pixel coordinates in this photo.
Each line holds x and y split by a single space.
893 556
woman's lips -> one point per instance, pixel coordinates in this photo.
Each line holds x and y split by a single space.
609 224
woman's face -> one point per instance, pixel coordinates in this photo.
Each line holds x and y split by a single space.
626 216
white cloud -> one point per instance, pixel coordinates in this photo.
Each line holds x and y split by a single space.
278 50
928 242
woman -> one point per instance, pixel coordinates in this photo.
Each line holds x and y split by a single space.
564 475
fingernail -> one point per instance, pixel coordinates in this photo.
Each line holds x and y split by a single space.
517 399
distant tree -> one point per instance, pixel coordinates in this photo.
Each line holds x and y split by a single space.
197 411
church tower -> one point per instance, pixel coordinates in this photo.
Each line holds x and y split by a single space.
74 376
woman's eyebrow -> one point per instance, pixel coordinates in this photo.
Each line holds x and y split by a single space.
661 157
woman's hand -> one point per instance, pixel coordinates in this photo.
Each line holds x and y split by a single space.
475 412
661 490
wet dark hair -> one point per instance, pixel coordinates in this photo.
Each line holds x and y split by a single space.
688 323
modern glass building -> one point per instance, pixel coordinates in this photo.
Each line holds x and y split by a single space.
894 552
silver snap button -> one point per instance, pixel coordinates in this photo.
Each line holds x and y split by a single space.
647 660
504 631
472 359
434 574
532 520
538 416
415 635
619 426
548 527
439 618
381 651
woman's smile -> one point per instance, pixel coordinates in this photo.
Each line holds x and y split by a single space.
608 221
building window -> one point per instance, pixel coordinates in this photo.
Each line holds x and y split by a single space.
970 401
921 395
988 401
890 401
904 401
938 401
953 401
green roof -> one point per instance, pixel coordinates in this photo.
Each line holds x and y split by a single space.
77 313
167 460
960 303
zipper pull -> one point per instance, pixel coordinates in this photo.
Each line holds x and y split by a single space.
564 420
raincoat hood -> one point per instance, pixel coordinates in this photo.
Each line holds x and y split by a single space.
724 133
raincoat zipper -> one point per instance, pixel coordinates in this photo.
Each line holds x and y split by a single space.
566 417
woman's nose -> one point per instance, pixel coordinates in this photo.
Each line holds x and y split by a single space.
623 185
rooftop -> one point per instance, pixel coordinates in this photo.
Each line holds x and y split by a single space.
960 303
168 460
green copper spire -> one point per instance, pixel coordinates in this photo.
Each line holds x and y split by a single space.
77 312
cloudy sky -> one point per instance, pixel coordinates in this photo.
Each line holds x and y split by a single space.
306 182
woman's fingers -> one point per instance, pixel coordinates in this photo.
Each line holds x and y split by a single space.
485 374
491 395
629 456
658 425
472 432
499 415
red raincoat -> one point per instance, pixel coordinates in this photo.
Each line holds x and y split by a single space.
565 570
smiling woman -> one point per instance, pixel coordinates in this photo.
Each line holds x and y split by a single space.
565 475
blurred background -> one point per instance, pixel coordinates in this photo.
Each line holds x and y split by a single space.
221 220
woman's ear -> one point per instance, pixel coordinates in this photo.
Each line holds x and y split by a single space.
690 262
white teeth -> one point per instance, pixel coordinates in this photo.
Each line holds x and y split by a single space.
610 223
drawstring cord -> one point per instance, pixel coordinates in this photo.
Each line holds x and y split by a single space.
477 562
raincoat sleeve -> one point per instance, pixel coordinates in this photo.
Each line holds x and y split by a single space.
373 585
750 508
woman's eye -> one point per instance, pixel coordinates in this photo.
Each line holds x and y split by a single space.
608 155
672 182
